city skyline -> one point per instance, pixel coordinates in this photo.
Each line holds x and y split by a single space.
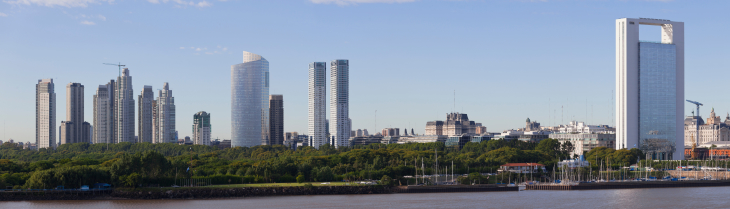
411 83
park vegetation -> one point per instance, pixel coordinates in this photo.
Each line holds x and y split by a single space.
146 164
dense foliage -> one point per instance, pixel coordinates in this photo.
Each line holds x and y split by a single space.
142 164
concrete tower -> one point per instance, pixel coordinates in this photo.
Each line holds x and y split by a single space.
165 117
75 115
103 113
339 102
125 108
276 119
317 103
650 89
201 128
45 114
144 123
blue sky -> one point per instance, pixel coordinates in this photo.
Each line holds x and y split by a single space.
506 60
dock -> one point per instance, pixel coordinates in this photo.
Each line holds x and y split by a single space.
629 185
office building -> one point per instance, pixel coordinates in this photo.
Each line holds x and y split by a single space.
249 101
650 88
45 114
125 108
144 118
201 128
276 119
65 133
340 103
165 117
317 124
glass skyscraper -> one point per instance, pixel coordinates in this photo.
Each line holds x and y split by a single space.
650 89
250 101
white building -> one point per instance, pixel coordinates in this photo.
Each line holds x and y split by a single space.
201 128
340 102
165 117
249 101
650 87
125 108
317 111
581 127
144 123
45 115
102 115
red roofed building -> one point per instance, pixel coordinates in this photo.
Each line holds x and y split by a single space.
522 168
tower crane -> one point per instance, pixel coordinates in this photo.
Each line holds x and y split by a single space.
697 124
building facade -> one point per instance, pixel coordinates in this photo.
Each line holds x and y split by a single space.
125 108
276 119
102 115
317 110
201 128
650 87
165 121
713 131
75 114
144 117
45 115
340 102
455 124
249 82
584 142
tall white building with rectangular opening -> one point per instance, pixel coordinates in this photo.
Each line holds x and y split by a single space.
650 89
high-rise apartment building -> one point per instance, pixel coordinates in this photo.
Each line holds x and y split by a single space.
276 119
75 114
650 88
201 128
249 101
65 133
144 118
103 115
165 117
339 102
317 103
125 108
45 114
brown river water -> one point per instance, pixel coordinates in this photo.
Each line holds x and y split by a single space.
696 197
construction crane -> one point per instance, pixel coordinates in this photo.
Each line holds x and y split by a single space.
119 85
697 124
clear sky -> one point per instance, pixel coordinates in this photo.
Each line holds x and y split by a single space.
506 60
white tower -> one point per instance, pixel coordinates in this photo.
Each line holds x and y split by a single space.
125 108
317 103
45 119
249 101
650 87
165 121
339 102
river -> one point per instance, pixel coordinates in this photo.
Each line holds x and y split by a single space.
694 197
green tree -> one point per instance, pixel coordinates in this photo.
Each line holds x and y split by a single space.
300 179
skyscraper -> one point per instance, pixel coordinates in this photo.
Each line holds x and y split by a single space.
339 102
249 101
650 89
102 115
276 119
317 103
165 117
75 114
45 114
144 118
125 108
201 128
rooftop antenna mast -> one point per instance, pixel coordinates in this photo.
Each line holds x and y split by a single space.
119 85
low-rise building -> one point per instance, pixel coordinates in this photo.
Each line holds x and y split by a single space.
584 142
522 168
365 140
